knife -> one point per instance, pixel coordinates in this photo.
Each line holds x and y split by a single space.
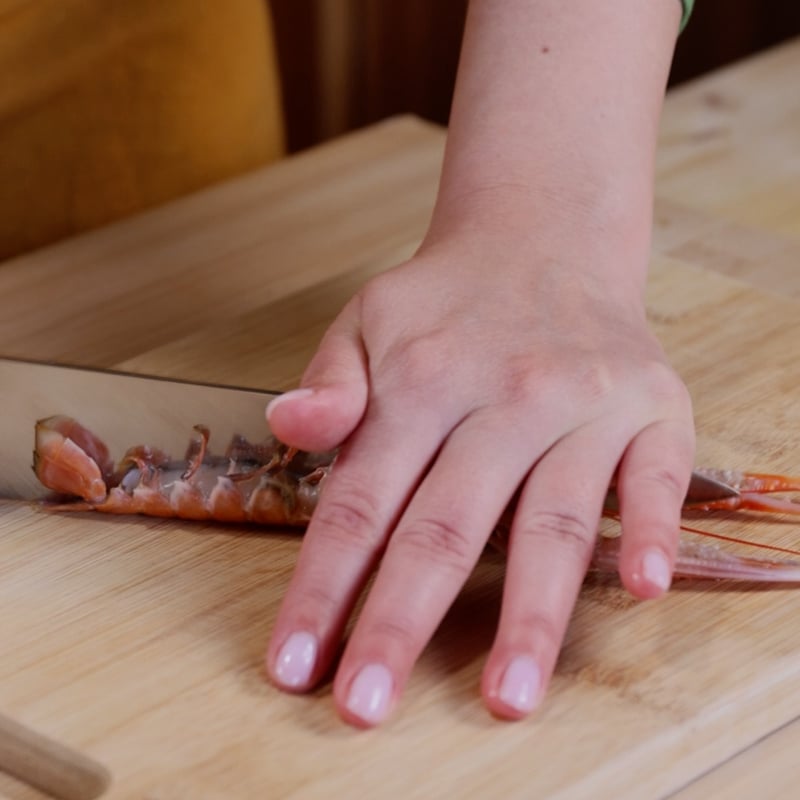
702 489
126 409
122 408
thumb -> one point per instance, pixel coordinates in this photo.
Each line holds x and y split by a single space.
329 405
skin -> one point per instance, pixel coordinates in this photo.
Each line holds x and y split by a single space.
512 351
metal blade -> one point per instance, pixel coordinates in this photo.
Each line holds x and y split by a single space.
703 489
122 409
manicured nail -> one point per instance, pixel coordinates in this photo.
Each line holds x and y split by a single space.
371 693
296 660
295 394
655 569
521 682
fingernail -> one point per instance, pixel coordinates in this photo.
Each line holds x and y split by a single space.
371 693
295 394
521 682
296 660
655 569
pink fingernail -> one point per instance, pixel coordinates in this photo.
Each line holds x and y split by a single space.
655 569
371 693
295 394
296 660
521 682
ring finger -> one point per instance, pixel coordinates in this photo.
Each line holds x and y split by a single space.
552 536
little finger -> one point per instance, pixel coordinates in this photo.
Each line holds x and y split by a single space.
652 482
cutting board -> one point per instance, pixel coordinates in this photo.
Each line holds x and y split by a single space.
728 143
139 642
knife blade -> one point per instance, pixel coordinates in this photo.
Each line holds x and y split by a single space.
123 409
702 489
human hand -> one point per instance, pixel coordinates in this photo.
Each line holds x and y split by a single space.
488 362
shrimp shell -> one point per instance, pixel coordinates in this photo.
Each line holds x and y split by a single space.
269 483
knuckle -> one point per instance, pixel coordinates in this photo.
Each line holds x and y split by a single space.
398 631
662 480
526 381
532 382
539 631
439 541
417 362
597 381
315 608
349 516
663 385
566 531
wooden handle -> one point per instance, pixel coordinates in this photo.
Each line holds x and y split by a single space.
61 772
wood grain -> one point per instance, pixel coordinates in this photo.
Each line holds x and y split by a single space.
729 147
220 254
139 642
771 762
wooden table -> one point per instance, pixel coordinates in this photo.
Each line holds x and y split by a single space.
139 642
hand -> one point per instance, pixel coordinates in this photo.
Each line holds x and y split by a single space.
489 362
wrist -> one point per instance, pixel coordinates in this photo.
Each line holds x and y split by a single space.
594 227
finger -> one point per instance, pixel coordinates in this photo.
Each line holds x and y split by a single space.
652 483
362 499
333 395
552 537
432 551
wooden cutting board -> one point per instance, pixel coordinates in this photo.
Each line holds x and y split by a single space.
139 642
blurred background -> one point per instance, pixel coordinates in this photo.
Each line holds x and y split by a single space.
111 108
346 63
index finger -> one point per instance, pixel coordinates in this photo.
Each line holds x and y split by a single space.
362 498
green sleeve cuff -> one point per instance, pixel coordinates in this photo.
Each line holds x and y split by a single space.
687 12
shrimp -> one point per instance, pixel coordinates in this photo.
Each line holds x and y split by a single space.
269 483
265 483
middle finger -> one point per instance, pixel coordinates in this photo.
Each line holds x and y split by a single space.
552 536
433 549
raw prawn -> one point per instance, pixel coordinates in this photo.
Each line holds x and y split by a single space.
269 483
266 482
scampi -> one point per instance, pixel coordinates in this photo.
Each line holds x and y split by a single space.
265 483
268 483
